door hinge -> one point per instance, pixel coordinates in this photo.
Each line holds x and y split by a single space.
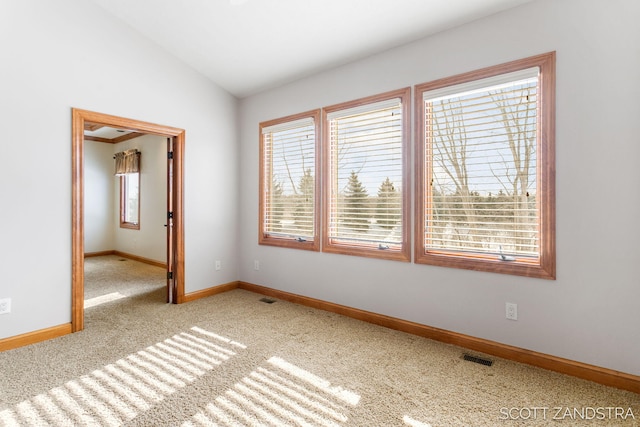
169 215
170 155
170 275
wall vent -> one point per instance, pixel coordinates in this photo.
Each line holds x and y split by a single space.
476 359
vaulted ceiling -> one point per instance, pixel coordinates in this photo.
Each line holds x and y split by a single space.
247 46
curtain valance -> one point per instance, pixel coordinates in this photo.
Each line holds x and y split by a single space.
127 161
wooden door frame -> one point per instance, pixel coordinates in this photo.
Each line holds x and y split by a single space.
79 117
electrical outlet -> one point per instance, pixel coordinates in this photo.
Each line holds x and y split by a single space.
218 265
5 305
256 264
511 311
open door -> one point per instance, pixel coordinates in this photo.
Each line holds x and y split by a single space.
175 223
171 284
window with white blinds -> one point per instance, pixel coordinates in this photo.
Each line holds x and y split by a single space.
486 168
483 167
288 181
366 178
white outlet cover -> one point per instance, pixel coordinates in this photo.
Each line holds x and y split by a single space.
5 305
511 310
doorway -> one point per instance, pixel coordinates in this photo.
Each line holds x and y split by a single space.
175 229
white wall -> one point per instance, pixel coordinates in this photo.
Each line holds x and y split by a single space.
70 53
150 241
590 313
102 199
99 215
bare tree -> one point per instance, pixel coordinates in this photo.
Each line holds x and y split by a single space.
519 118
449 142
468 215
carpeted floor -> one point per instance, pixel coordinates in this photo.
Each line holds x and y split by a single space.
234 360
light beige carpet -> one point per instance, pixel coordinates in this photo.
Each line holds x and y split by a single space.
233 360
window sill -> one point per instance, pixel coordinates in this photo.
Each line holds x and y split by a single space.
130 225
367 251
289 242
526 267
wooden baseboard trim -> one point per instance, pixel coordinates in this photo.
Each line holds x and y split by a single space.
192 296
128 256
34 337
585 371
99 253
141 259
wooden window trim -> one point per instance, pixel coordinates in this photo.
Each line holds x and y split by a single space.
123 203
404 253
545 266
264 238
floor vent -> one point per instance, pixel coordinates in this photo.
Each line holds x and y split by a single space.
267 300
476 359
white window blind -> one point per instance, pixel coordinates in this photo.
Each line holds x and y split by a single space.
481 175
289 179
285 126
366 170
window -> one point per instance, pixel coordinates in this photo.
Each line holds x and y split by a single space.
366 201
485 167
127 167
130 201
289 190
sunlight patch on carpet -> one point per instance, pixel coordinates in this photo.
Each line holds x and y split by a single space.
324 385
278 393
414 423
103 299
118 392
218 337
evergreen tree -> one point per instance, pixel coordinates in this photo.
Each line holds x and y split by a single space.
304 204
277 205
388 210
355 200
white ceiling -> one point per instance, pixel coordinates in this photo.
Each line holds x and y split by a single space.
107 132
247 46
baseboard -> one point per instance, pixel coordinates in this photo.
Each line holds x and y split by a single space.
192 296
128 256
141 259
585 371
99 253
34 337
